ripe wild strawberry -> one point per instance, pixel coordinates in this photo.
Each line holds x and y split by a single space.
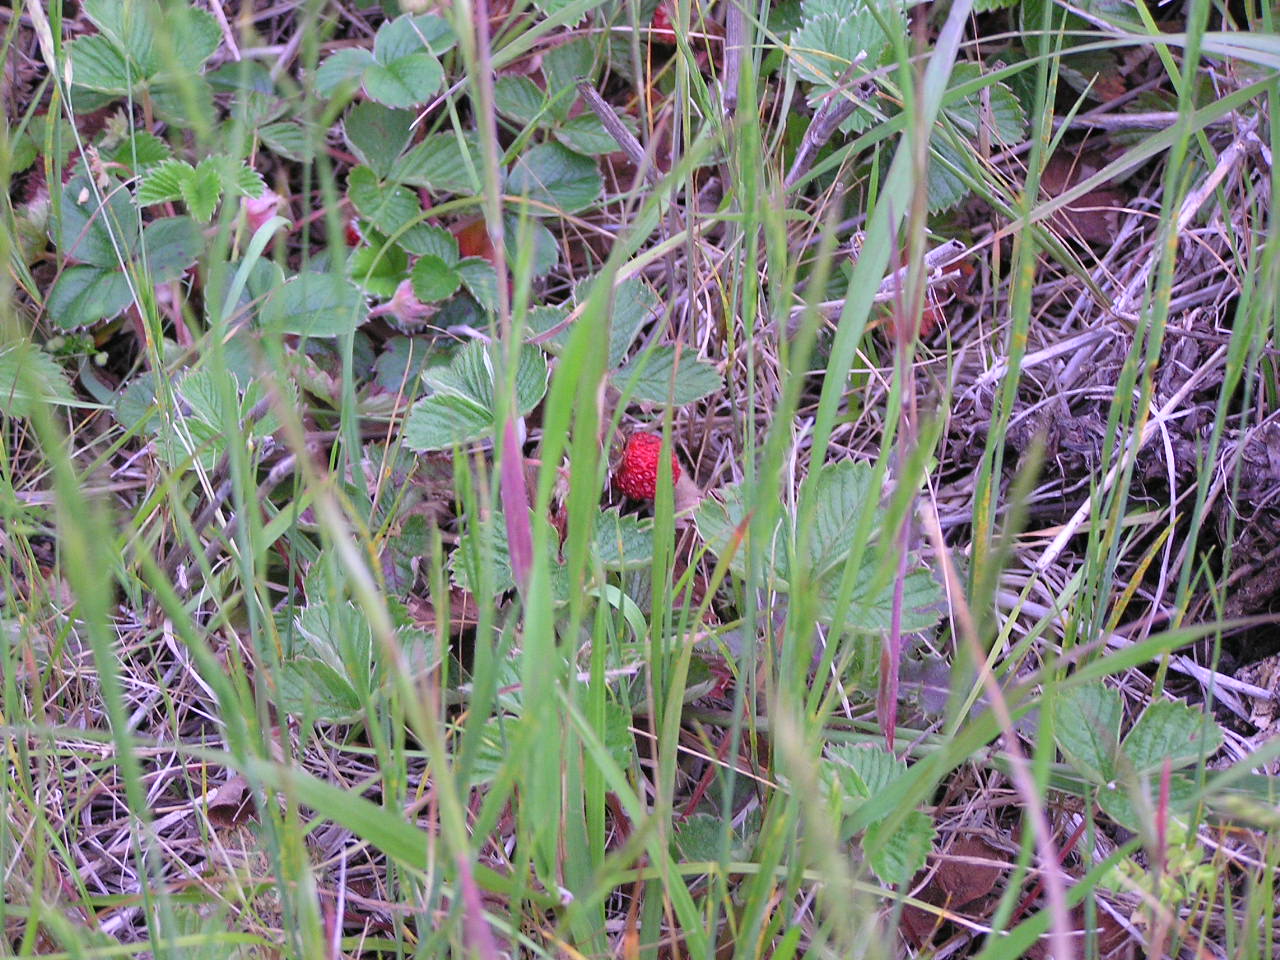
637 472
662 30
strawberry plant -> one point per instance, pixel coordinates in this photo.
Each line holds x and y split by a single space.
402 69
845 58
149 52
199 187
459 406
347 348
1127 772
854 775
459 400
842 491
108 255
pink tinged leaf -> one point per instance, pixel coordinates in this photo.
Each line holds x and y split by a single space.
515 506
405 306
258 210
475 929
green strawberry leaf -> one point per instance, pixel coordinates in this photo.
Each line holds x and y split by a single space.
315 305
30 377
343 67
842 490
84 294
555 180
387 206
441 162
623 542
93 233
896 856
433 279
519 98
377 135
1087 729
460 406
662 374
1170 731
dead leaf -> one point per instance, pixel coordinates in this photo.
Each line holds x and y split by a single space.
1114 941
919 927
231 804
1093 217
968 871
463 611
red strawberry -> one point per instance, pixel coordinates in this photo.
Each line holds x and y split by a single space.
637 473
662 30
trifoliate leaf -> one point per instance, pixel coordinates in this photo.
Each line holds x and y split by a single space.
98 234
1173 732
201 189
562 66
532 237
164 183
944 186
518 98
623 542
483 557
139 151
722 522
408 34
444 421
586 134
634 305
841 491
169 246
994 108
406 82
460 407
862 771
343 66
481 280
183 104
425 240
245 181
379 271
98 64
404 73
290 140
1134 804
832 48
